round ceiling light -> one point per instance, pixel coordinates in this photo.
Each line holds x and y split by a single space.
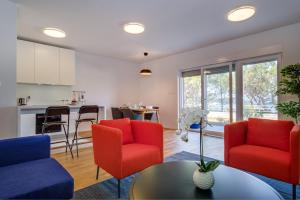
54 32
134 28
241 13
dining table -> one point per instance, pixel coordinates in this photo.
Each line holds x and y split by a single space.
143 111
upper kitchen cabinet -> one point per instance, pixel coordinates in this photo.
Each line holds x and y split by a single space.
46 64
66 67
25 62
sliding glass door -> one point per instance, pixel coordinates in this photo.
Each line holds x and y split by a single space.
233 91
217 96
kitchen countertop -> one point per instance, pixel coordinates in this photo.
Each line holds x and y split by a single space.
27 116
33 107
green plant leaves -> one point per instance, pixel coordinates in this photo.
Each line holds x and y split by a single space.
290 84
290 108
209 166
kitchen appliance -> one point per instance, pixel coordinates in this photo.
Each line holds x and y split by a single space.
22 102
78 97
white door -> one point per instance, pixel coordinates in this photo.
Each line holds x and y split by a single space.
25 62
47 64
66 67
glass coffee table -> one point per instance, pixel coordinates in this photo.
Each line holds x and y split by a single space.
174 180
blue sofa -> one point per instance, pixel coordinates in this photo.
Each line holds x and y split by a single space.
28 172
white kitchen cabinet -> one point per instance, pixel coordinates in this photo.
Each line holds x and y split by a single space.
25 62
44 64
66 67
47 64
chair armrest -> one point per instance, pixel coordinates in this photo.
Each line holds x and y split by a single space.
107 146
23 149
295 154
148 133
234 135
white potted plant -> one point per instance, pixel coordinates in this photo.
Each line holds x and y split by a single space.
203 176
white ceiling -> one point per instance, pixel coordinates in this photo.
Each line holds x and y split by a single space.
172 26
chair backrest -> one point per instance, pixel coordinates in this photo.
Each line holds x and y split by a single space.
128 113
124 125
269 133
116 113
88 109
57 110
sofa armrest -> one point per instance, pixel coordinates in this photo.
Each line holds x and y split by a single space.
107 146
234 135
295 154
148 133
23 149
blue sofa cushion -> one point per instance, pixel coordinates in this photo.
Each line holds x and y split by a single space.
44 179
18 150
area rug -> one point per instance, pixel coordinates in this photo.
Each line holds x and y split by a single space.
108 189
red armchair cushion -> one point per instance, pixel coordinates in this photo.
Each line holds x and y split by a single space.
270 162
269 133
136 157
122 124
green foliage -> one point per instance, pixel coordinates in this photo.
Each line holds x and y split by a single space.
260 82
218 91
209 166
291 108
290 84
192 91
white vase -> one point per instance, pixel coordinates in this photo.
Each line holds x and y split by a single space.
203 180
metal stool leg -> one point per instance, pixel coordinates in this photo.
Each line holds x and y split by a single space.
97 175
67 141
76 136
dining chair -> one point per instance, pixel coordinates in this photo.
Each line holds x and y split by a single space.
128 113
116 113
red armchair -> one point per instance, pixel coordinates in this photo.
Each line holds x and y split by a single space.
123 147
267 147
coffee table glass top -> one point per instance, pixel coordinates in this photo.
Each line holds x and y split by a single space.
175 180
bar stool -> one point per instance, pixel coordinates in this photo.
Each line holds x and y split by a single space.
88 109
54 111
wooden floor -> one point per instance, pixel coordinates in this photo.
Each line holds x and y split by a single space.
83 168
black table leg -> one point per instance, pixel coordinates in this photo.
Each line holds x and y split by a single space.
119 188
294 192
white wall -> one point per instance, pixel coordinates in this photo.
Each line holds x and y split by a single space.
162 88
8 125
107 81
44 94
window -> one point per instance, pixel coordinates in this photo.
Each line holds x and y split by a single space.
233 91
259 90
